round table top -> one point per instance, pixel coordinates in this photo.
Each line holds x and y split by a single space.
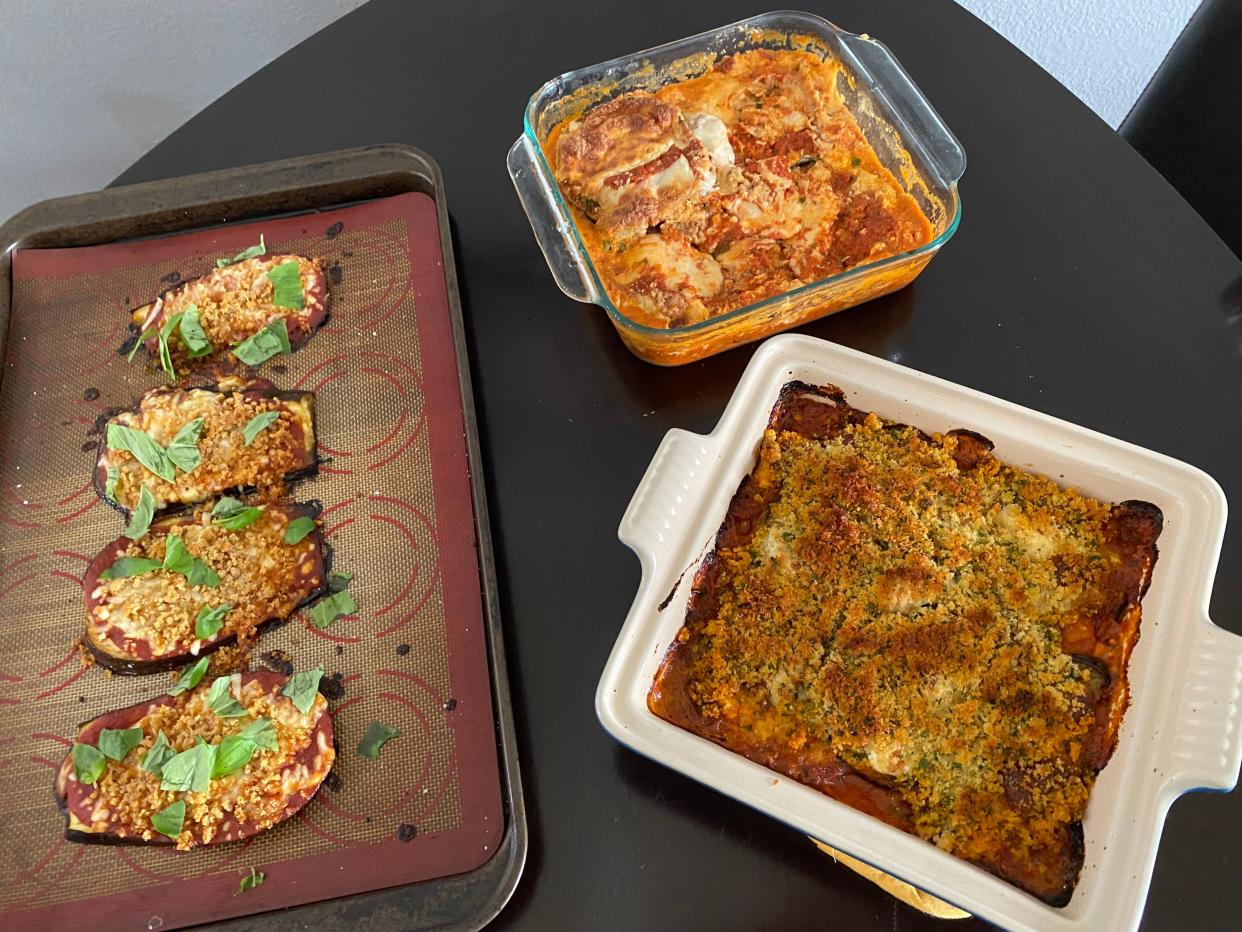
1079 284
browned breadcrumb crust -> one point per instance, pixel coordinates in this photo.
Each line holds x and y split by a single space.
227 462
235 302
261 577
255 795
894 607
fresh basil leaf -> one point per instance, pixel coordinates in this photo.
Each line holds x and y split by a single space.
142 338
115 743
248 253
88 763
183 450
209 621
259 422
168 821
298 528
327 610
178 560
114 476
340 581
286 280
302 688
262 731
233 753
221 701
140 518
159 754
169 327
251 880
192 336
190 677
143 448
189 771
261 346
233 515
377 735
130 566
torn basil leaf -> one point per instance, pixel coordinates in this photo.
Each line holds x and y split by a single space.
298 528
168 821
114 476
130 566
261 346
159 754
220 699
145 450
191 677
183 450
192 336
88 763
258 423
115 743
339 581
190 770
142 338
286 280
248 253
178 560
302 688
377 735
232 754
251 880
327 610
233 515
262 731
169 327
209 621
140 518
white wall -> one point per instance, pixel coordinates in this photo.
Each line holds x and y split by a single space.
88 86
1105 51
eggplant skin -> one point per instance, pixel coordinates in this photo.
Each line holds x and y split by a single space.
227 386
321 735
103 652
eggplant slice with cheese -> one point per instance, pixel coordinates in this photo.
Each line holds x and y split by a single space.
221 762
233 303
197 582
187 445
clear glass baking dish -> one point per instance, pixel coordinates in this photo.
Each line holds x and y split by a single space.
906 133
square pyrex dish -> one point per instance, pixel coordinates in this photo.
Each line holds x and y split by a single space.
1180 733
909 137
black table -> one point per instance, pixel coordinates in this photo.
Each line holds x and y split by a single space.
1079 284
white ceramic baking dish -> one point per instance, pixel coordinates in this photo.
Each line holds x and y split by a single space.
1181 732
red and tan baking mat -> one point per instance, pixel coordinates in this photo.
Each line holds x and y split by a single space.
397 512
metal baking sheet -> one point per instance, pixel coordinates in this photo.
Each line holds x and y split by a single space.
403 509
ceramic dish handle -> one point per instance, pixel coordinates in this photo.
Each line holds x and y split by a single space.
892 83
1206 749
659 510
537 192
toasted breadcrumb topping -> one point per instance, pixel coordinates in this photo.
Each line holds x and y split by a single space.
261 577
906 615
128 796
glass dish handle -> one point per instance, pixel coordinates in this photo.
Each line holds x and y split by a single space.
1205 749
536 191
884 75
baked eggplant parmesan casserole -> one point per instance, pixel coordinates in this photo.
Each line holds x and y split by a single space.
919 630
720 191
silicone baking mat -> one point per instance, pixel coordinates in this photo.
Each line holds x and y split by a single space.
397 512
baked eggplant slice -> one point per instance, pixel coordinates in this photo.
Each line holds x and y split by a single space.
221 762
230 305
187 445
199 581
